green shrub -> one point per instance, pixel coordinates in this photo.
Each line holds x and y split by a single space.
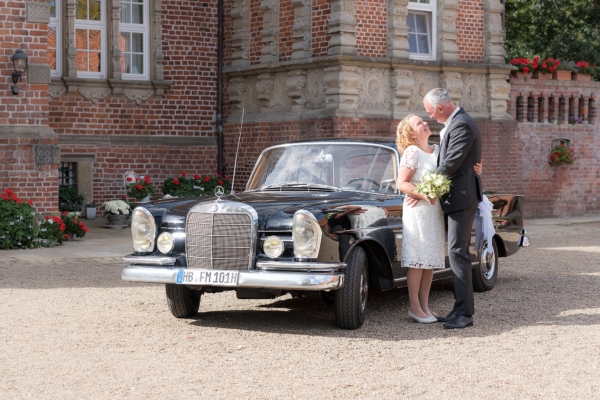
69 199
51 231
17 222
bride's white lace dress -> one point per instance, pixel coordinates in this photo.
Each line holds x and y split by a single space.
423 235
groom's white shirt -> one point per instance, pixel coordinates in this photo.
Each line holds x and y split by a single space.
443 131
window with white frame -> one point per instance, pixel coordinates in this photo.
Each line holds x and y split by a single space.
133 40
421 23
90 38
55 38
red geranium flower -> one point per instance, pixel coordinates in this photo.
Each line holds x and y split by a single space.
30 202
64 213
67 236
526 69
196 177
176 181
137 179
147 179
206 179
123 197
129 179
62 227
183 173
138 187
6 198
218 175
9 192
220 182
227 177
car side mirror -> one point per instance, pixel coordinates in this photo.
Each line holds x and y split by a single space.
388 184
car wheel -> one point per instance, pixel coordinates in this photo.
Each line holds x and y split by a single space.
486 272
351 300
182 301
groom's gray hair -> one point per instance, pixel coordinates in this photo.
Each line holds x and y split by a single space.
438 96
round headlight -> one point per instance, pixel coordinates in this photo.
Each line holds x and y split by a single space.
143 230
273 246
306 234
165 242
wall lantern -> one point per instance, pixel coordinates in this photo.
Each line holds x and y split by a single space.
19 60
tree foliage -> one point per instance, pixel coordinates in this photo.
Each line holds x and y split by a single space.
568 30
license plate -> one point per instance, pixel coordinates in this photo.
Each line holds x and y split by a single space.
207 277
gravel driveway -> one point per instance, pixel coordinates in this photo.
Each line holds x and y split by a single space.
74 330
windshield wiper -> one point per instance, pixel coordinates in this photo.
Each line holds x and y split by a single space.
302 184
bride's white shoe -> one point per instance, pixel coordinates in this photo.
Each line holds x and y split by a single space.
427 320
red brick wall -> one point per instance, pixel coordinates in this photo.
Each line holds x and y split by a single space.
256 26
371 27
286 21
469 26
321 9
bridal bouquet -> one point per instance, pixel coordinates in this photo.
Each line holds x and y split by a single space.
433 185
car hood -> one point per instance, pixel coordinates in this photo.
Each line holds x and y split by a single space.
275 209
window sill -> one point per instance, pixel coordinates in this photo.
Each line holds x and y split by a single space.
97 89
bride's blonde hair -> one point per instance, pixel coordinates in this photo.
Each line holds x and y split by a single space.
404 134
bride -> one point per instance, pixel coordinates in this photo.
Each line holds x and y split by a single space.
423 232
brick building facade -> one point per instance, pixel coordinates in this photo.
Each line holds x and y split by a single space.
132 85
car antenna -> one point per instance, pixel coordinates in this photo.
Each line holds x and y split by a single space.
236 151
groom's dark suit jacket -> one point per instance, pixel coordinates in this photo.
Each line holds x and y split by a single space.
460 150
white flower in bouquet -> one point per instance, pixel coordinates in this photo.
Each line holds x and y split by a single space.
117 207
433 185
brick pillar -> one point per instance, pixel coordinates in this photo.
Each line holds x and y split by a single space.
586 110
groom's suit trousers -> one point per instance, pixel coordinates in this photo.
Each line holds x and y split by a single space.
459 237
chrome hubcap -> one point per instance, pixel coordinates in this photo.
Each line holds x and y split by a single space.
364 289
488 263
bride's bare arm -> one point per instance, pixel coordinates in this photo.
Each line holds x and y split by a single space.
405 175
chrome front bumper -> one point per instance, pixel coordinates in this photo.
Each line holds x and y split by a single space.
283 280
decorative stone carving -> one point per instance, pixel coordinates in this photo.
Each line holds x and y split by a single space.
270 31
240 36
374 89
494 32
264 91
475 93
342 84
315 89
424 82
302 29
138 95
499 90
342 28
452 82
236 90
56 91
402 83
38 73
93 94
447 49
47 154
397 29
295 87
281 99
38 13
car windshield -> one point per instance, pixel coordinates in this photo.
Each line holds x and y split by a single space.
362 167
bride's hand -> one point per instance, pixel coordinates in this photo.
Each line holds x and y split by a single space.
479 167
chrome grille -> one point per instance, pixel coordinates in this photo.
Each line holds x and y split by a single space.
218 241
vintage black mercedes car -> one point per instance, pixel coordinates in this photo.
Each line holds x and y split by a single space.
319 215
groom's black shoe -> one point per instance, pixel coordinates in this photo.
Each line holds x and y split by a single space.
450 317
460 322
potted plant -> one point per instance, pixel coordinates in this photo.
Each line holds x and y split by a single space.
90 210
73 226
140 188
561 154
117 212
543 69
563 71
69 199
583 71
524 66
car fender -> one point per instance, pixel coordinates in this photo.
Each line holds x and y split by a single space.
380 266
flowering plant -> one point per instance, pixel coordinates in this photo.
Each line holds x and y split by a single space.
139 188
73 225
561 154
522 63
583 67
547 66
196 186
433 185
51 230
117 207
17 222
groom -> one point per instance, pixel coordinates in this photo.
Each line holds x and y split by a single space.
460 150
